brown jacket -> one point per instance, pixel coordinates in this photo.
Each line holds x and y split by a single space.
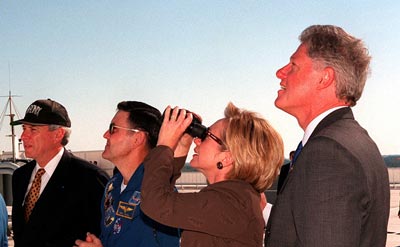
227 213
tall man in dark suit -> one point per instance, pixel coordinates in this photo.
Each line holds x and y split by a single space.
337 192
63 202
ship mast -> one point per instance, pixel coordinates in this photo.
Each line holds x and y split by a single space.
11 115
10 104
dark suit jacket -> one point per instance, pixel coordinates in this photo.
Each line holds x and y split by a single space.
68 207
337 193
282 176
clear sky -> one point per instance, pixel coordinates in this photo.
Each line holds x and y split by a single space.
90 55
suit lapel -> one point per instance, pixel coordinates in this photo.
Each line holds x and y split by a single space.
56 187
27 174
59 177
334 116
24 180
55 191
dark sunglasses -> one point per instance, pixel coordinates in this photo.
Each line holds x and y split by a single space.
214 137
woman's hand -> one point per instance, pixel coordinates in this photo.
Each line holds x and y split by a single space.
172 130
183 146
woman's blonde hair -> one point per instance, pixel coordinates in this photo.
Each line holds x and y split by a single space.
256 148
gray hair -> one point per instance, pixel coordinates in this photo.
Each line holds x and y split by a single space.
347 55
66 136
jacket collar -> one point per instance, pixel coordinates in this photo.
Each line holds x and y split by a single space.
342 113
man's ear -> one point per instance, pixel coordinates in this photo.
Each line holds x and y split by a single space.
59 135
140 138
328 78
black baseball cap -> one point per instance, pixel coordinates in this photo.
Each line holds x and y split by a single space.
45 112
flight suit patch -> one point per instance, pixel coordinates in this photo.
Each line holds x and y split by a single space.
126 210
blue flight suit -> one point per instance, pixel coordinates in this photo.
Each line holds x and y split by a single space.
3 223
124 224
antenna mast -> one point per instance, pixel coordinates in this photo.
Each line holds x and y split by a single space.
12 127
11 114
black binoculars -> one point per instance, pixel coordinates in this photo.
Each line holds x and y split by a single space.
195 129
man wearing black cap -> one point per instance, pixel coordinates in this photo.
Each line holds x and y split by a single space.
57 196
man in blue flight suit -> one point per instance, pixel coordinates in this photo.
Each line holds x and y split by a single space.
3 223
133 132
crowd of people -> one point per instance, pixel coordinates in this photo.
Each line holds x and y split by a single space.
334 191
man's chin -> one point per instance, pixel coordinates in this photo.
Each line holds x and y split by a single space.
28 154
278 104
104 155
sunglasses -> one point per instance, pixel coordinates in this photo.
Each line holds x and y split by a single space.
214 137
112 128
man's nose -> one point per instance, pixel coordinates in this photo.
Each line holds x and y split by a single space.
282 72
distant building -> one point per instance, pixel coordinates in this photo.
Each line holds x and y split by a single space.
392 160
7 168
95 158
190 180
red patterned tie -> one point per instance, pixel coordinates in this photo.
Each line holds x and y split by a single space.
33 193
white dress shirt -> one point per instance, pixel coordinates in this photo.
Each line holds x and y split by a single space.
49 168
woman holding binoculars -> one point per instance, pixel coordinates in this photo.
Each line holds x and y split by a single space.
240 155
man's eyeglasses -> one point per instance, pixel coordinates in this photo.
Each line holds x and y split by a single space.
112 127
214 137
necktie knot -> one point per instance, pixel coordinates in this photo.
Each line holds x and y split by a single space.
40 173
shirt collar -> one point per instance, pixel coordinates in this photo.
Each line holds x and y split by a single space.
51 166
313 124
